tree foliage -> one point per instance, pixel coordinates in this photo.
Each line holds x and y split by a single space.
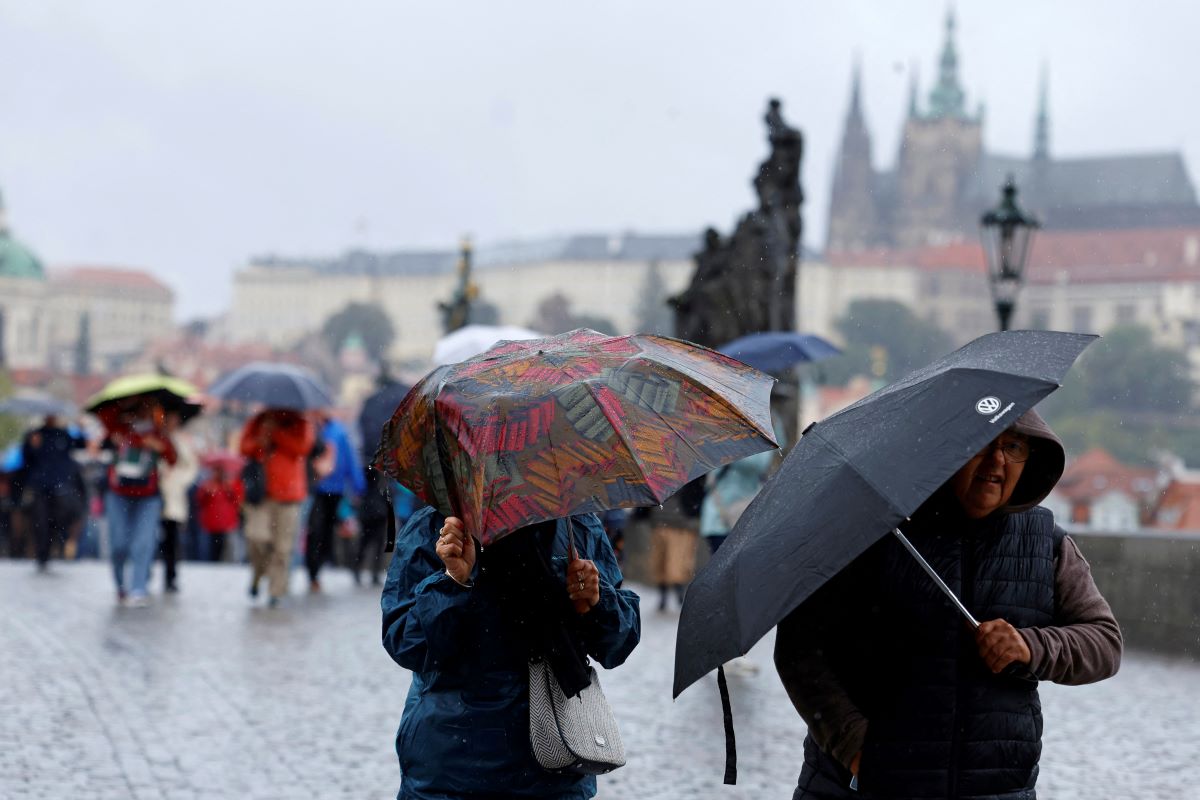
10 426
368 320
884 339
555 315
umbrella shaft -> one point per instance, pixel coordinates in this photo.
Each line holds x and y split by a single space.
936 578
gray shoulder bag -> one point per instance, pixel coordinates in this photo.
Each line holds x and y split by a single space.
571 734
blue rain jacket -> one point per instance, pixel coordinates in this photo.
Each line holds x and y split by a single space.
347 476
465 727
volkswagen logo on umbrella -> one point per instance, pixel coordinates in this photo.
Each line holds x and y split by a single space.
988 405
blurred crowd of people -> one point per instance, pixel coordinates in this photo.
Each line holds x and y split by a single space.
294 487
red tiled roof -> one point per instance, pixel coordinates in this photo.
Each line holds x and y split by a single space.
1097 472
110 276
1116 256
1180 507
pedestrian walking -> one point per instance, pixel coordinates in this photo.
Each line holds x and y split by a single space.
139 442
674 531
177 479
729 491
278 442
51 486
344 479
901 697
219 505
468 621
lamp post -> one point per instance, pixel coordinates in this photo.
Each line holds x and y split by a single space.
1006 232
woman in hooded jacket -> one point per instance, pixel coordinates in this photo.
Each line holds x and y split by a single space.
902 698
467 621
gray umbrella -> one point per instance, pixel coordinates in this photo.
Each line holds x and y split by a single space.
273 385
37 405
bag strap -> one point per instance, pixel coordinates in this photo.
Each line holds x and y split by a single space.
390 544
730 739
572 553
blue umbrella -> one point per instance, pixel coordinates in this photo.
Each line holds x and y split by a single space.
774 351
11 459
282 386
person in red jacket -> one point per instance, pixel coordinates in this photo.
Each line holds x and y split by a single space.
279 441
219 501
138 439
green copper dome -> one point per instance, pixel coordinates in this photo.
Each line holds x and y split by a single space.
16 260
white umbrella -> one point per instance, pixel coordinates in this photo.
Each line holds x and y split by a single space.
471 340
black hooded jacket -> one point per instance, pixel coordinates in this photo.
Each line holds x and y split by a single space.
880 663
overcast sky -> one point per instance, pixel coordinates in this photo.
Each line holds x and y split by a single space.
184 137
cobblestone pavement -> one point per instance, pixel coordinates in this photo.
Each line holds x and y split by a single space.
204 695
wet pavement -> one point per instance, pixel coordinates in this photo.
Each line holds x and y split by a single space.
206 695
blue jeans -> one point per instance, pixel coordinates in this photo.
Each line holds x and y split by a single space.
132 535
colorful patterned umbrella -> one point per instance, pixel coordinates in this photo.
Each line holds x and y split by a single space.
535 430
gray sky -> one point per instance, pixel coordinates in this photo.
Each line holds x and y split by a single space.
184 137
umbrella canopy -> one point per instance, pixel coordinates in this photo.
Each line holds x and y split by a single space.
376 411
168 390
283 386
37 404
854 477
471 340
775 351
580 422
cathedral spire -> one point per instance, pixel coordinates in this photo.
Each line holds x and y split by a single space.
856 89
947 98
1041 131
913 92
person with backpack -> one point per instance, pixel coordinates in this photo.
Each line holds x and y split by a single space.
337 474
278 442
140 443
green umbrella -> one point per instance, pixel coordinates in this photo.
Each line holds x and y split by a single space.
145 383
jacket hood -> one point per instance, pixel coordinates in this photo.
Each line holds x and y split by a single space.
1044 467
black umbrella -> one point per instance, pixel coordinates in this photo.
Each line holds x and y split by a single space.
283 386
852 478
377 410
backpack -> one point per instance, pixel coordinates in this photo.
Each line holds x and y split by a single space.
254 482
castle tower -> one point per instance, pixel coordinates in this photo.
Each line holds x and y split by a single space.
853 220
940 154
1041 125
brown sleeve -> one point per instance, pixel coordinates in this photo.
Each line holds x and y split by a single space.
1084 645
836 724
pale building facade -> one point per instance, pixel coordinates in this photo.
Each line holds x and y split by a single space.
279 301
125 311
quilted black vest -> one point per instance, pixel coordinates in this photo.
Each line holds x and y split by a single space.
941 725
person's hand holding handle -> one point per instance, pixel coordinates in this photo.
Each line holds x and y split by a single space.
456 549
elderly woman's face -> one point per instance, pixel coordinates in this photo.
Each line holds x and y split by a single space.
986 482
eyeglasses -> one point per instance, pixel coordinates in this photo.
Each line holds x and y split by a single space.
1015 451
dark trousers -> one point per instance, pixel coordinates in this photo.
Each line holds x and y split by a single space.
370 548
49 518
322 519
216 546
168 549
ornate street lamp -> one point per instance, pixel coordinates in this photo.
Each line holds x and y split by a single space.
1006 232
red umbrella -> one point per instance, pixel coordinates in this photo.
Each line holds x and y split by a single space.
541 429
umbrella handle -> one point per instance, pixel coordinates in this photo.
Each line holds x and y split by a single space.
936 578
572 553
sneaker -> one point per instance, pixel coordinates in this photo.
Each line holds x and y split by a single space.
314 587
138 601
254 589
121 595
273 602
171 588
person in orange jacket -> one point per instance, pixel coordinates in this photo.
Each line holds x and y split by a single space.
278 441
